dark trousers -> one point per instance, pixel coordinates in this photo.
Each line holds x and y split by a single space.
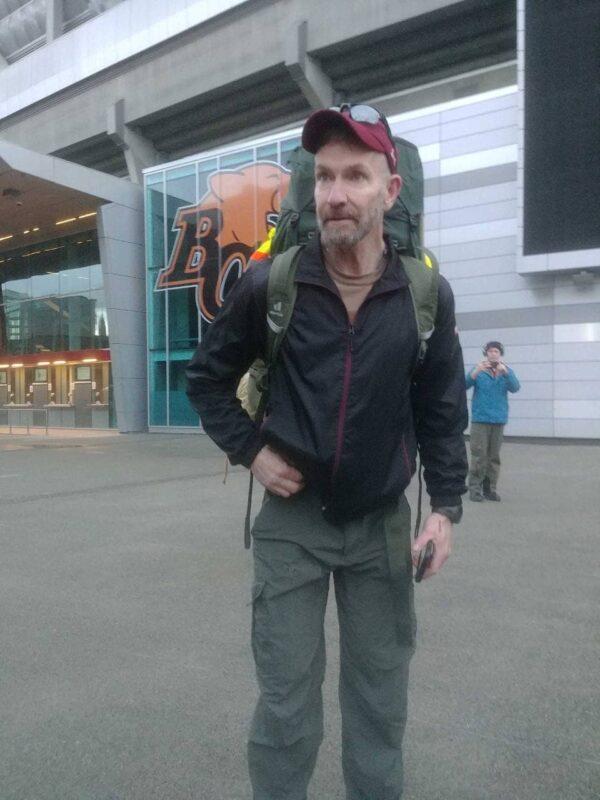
486 440
295 553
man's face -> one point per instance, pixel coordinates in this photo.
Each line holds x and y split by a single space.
493 355
353 189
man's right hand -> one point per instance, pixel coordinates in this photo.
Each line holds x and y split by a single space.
276 474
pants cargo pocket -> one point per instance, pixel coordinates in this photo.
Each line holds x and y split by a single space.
397 523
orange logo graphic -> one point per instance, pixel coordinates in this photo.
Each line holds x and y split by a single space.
217 236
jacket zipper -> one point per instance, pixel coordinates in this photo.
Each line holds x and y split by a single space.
406 458
343 403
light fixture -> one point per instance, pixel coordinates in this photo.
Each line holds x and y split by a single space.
64 221
35 229
26 231
43 363
14 366
4 366
59 362
89 360
89 214
4 238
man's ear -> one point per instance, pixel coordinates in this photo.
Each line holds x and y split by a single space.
394 187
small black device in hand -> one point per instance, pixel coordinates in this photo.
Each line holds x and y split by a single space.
425 559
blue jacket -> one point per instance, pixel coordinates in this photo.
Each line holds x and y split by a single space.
490 396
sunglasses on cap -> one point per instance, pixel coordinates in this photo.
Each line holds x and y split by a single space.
363 113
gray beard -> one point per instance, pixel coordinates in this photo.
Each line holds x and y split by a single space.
346 240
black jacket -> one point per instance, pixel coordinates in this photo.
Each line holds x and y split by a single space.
346 405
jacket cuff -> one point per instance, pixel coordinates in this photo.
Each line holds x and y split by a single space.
439 500
247 456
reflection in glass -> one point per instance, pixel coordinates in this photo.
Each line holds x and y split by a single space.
46 301
180 410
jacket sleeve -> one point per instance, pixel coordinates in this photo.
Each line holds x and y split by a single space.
440 408
469 380
231 343
512 382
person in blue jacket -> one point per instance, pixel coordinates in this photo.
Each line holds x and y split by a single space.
492 379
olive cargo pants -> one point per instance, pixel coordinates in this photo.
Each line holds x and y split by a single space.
295 551
486 440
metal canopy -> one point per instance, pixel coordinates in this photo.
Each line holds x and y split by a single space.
37 191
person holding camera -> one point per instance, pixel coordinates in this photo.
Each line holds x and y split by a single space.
492 379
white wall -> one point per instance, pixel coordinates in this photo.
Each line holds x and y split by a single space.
548 324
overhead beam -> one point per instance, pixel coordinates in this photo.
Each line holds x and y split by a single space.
139 152
55 19
306 72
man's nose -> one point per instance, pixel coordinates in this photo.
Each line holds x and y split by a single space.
337 194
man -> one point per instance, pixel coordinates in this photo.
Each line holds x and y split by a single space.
492 380
335 452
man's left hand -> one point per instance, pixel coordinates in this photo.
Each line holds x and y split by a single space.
438 529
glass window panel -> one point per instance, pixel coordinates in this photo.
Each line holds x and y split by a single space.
44 284
205 170
75 281
155 224
3 331
17 318
15 278
181 192
82 249
237 159
158 390
46 323
154 178
157 316
180 410
268 152
96 277
183 320
287 147
77 320
99 316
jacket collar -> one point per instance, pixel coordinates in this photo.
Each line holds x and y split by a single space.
311 269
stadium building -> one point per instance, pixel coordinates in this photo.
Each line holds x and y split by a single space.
144 150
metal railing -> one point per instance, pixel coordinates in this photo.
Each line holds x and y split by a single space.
27 418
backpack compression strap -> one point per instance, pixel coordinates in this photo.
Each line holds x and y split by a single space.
423 277
281 296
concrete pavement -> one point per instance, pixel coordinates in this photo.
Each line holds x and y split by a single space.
126 671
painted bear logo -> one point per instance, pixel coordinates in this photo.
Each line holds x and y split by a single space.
217 236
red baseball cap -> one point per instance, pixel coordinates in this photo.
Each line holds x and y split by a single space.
375 134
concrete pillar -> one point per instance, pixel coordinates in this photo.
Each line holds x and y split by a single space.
54 19
307 73
139 152
121 242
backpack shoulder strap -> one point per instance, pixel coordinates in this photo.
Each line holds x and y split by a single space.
281 296
423 276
